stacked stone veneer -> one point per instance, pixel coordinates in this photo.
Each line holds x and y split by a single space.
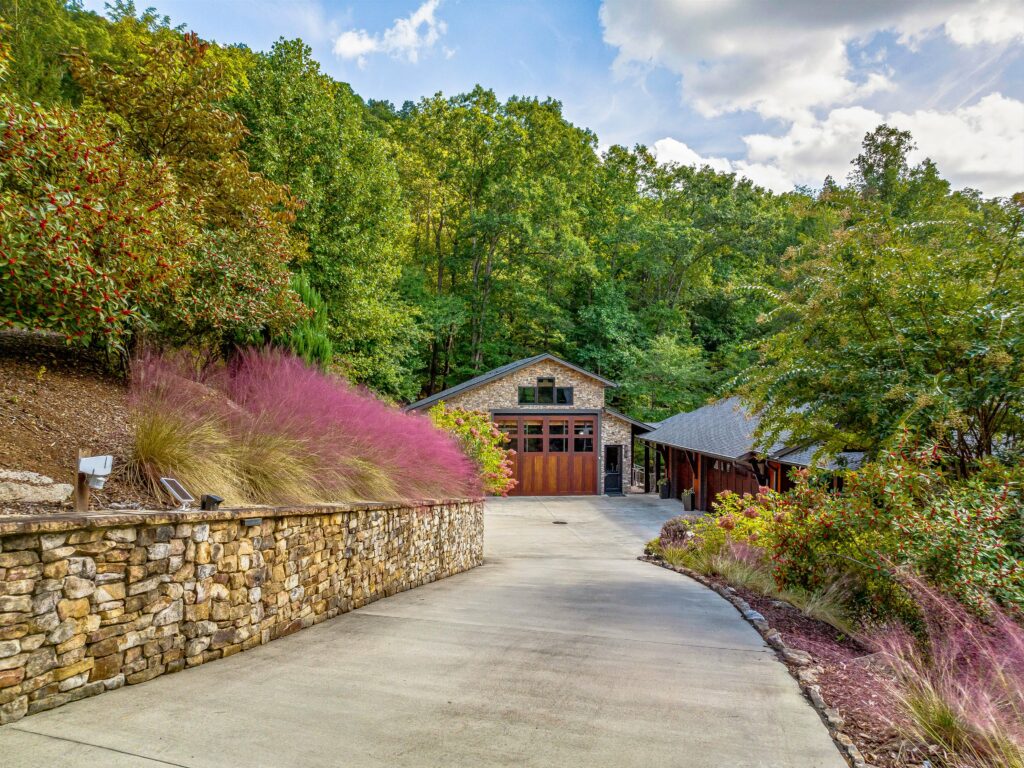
503 393
588 395
92 602
615 431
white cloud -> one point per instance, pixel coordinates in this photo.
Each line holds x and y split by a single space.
979 146
406 38
669 150
785 59
812 65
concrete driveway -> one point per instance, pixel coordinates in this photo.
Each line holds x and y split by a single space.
563 650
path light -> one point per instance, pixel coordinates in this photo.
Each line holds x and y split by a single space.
177 491
210 501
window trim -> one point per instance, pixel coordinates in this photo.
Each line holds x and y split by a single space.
533 393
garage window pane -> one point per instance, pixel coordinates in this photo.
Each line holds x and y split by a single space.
533 427
583 428
583 444
558 445
511 445
545 391
533 445
558 427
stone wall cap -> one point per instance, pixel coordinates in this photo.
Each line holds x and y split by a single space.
12 525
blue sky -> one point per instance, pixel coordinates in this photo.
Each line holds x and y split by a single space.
780 92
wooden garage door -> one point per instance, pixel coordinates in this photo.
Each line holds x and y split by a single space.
555 455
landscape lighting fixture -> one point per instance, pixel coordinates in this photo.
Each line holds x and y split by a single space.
96 469
177 491
210 501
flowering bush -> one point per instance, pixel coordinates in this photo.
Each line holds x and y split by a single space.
482 442
96 244
268 428
899 514
902 511
90 235
742 518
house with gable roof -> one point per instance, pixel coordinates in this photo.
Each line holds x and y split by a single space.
567 440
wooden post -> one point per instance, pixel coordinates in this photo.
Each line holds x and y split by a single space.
647 467
698 484
81 487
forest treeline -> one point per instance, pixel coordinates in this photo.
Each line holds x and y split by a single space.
160 186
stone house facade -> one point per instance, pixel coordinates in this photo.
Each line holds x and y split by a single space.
567 441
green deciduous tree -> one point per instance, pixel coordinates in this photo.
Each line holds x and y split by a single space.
313 134
907 314
166 95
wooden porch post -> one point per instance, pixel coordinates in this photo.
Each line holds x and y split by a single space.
657 464
647 467
699 482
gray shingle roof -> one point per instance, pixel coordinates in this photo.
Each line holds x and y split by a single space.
630 419
726 429
801 457
497 373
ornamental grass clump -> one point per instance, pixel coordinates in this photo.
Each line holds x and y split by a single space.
267 428
959 680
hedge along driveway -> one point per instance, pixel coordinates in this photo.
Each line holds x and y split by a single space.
562 650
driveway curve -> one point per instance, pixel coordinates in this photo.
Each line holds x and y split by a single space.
562 650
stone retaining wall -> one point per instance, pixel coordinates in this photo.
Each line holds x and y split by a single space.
92 602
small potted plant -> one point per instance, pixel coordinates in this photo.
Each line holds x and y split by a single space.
664 488
687 498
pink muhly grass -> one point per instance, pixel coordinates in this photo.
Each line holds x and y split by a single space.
328 440
961 684
361 444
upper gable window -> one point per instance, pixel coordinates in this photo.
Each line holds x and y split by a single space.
545 393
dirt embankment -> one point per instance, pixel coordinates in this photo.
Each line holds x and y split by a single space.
55 400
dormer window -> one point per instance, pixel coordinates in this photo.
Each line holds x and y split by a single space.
545 393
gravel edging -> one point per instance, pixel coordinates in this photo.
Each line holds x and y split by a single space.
799 663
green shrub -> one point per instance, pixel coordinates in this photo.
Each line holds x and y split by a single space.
903 512
310 338
91 235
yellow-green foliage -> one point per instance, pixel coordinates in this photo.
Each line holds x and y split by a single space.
274 469
733 543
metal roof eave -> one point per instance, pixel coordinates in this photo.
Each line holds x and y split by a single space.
499 372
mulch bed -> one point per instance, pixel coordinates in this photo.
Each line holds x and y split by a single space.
852 681
53 401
